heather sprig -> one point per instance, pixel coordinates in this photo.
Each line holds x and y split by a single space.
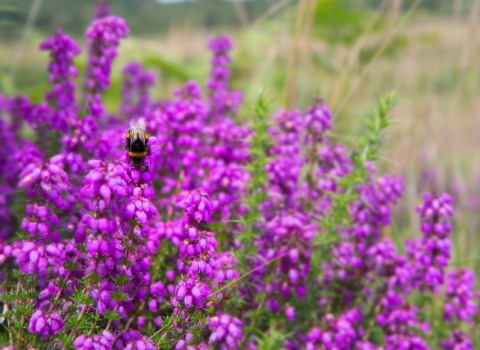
368 148
258 179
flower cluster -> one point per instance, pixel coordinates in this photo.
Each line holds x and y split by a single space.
135 90
432 252
197 259
459 297
342 333
46 179
458 341
226 331
45 325
222 101
62 52
103 341
103 39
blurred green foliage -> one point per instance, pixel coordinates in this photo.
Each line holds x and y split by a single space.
165 66
338 22
145 17
393 49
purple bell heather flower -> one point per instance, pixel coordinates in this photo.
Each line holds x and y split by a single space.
290 313
11 153
347 263
139 208
400 323
220 47
6 216
226 331
345 332
35 115
46 179
170 274
457 341
287 237
197 253
103 189
197 208
86 139
103 341
318 119
227 183
103 186
52 289
334 161
31 258
191 292
395 341
353 257
132 339
29 155
34 257
74 160
226 268
135 89
5 252
459 296
226 143
45 324
141 322
373 209
430 255
19 108
40 219
286 133
385 262
283 173
188 343
171 230
102 9
433 210
364 345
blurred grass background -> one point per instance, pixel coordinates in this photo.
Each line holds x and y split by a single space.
346 51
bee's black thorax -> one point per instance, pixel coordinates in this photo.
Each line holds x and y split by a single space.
137 146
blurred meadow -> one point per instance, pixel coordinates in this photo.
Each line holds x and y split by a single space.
347 52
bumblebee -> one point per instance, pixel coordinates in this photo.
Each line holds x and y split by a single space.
137 141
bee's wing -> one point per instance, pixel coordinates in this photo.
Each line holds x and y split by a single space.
141 129
133 125
133 130
141 125
137 130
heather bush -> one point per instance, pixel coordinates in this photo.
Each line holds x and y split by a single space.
261 235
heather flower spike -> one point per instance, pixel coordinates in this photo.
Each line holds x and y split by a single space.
62 95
